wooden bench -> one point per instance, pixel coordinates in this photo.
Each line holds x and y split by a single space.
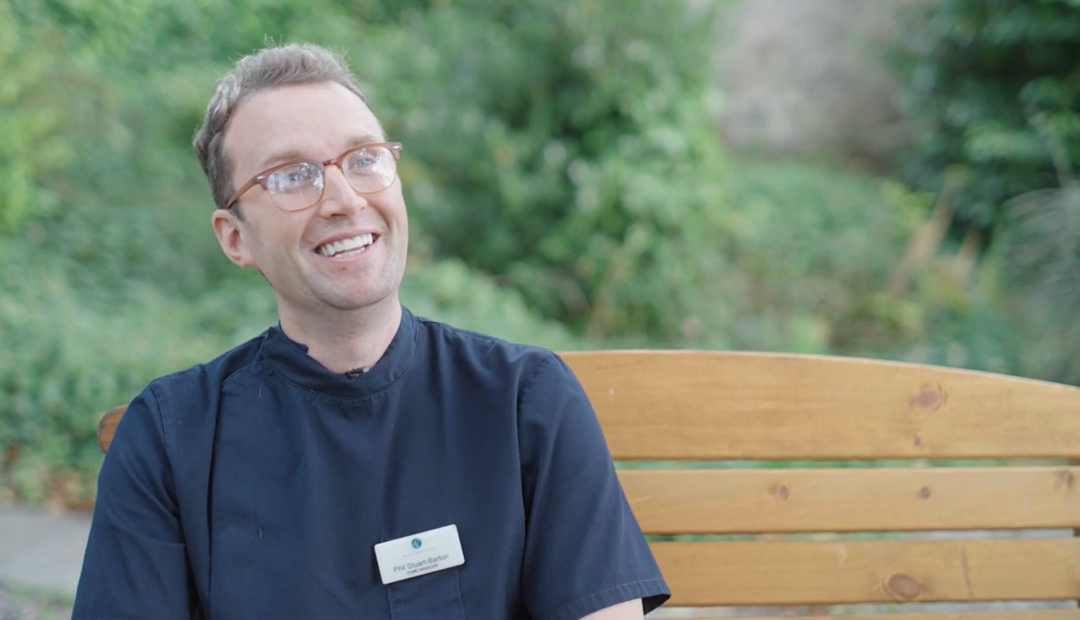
904 523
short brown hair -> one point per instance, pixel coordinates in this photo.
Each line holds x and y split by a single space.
294 63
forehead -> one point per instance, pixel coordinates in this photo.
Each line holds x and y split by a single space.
309 121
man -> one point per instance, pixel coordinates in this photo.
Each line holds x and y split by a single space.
355 461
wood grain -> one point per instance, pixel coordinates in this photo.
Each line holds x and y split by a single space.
709 405
810 573
850 500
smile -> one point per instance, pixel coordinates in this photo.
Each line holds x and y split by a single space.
346 247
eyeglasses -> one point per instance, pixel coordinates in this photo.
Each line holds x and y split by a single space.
297 185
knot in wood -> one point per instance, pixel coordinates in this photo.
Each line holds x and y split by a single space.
781 492
1065 479
924 493
929 398
904 587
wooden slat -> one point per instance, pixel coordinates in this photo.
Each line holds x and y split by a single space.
1034 614
705 405
809 573
850 500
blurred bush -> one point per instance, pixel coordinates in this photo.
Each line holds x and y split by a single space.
564 148
109 272
1041 247
564 181
821 261
995 87
66 358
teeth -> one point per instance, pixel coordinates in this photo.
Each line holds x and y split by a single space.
345 245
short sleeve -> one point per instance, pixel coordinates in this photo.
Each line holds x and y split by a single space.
584 550
136 563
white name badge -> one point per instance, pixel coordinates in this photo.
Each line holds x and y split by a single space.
419 554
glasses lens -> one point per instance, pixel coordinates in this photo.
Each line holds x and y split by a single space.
296 187
370 169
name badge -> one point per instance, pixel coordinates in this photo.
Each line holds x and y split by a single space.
419 554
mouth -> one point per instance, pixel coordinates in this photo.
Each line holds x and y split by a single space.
344 248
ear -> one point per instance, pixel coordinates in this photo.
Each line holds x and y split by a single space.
231 232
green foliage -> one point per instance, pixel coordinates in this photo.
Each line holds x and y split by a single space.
127 84
564 181
577 165
66 358
996 87
449 291
811 256
1042 251
114 276
808 264
569 154
31 93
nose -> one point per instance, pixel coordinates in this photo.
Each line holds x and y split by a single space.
338 197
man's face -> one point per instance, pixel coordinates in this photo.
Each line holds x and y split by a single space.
313 122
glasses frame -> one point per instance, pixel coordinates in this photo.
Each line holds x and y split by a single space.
395 149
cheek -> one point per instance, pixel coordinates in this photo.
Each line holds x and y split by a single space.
283 234
401 217
274 244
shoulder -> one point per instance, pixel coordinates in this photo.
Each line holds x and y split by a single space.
482 347
200 384
183 405
463 351
215 371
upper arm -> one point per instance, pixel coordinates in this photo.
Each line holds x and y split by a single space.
136 562
584 551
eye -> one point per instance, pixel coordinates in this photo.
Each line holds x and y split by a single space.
293 178
363 161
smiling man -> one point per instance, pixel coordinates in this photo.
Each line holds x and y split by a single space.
354 461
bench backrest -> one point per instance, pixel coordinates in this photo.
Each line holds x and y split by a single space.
827 534
805 480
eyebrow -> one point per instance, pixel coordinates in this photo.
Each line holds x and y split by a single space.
288 155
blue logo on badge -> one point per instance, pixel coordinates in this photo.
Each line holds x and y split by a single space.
417 543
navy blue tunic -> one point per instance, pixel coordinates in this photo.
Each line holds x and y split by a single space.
256 486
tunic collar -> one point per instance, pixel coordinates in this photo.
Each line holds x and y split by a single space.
289 358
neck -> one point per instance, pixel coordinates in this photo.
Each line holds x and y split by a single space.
349 340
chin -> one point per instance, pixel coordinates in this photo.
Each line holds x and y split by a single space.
348 303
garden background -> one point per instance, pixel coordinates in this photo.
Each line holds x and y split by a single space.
891 179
